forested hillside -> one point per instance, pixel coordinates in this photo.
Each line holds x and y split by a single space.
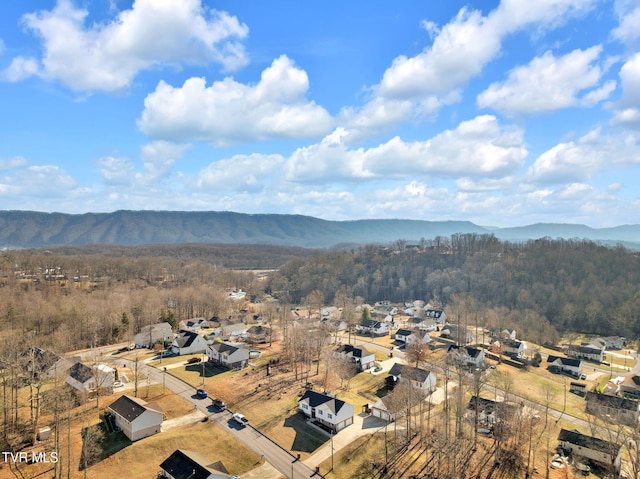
564 284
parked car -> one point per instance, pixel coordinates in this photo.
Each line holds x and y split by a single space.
167 354
201 393
240 419
219 404
118 384
194 360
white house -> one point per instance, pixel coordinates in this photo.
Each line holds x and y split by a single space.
424 324
598 450
359 355
419 378
183 464
589 352
436 314
382 408
558 364
373 327
228 355
327 410
152 333
137 418
195 324
86 379
513 347
188 342
466 355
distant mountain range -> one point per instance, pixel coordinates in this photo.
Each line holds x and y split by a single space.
29 229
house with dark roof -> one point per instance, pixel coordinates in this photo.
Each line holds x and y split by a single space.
436 314
412 336
613 408
419 378
589 352
228 355
356 354
513 347
372 327
469 356
136 418
606 453
188 342
43 364
87 379
558 364
330 412
183 464
195 324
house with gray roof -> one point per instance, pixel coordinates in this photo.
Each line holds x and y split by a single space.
590 352
613 408
136 418
152 333
232 356
328 411
86 379
606 453
372 327
419 378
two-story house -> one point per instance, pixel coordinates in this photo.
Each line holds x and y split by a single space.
606 453
356 354
330 412
372 327
613 408
227 355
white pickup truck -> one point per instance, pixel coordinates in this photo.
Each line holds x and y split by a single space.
240 419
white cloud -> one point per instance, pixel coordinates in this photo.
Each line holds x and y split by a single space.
629 15
579 161
43 181
248 173
230 112
116 171
476 147
628 108
549 83
158 159
19 69
107 56
11 163
465 45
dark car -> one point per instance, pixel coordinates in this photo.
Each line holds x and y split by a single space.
219 404
194 360
201 393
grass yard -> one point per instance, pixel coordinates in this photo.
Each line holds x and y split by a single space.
142 458
530 384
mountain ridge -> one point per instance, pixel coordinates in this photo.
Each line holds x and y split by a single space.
32 229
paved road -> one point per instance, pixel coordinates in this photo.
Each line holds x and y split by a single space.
279 458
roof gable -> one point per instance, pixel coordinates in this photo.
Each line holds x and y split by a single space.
131 408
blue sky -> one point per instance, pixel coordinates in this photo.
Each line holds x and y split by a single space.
499 112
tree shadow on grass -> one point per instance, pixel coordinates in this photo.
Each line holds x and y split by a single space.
209 369
307 438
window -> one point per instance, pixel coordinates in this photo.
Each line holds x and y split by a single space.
330 416
320 413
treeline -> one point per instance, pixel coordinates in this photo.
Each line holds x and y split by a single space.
575 285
